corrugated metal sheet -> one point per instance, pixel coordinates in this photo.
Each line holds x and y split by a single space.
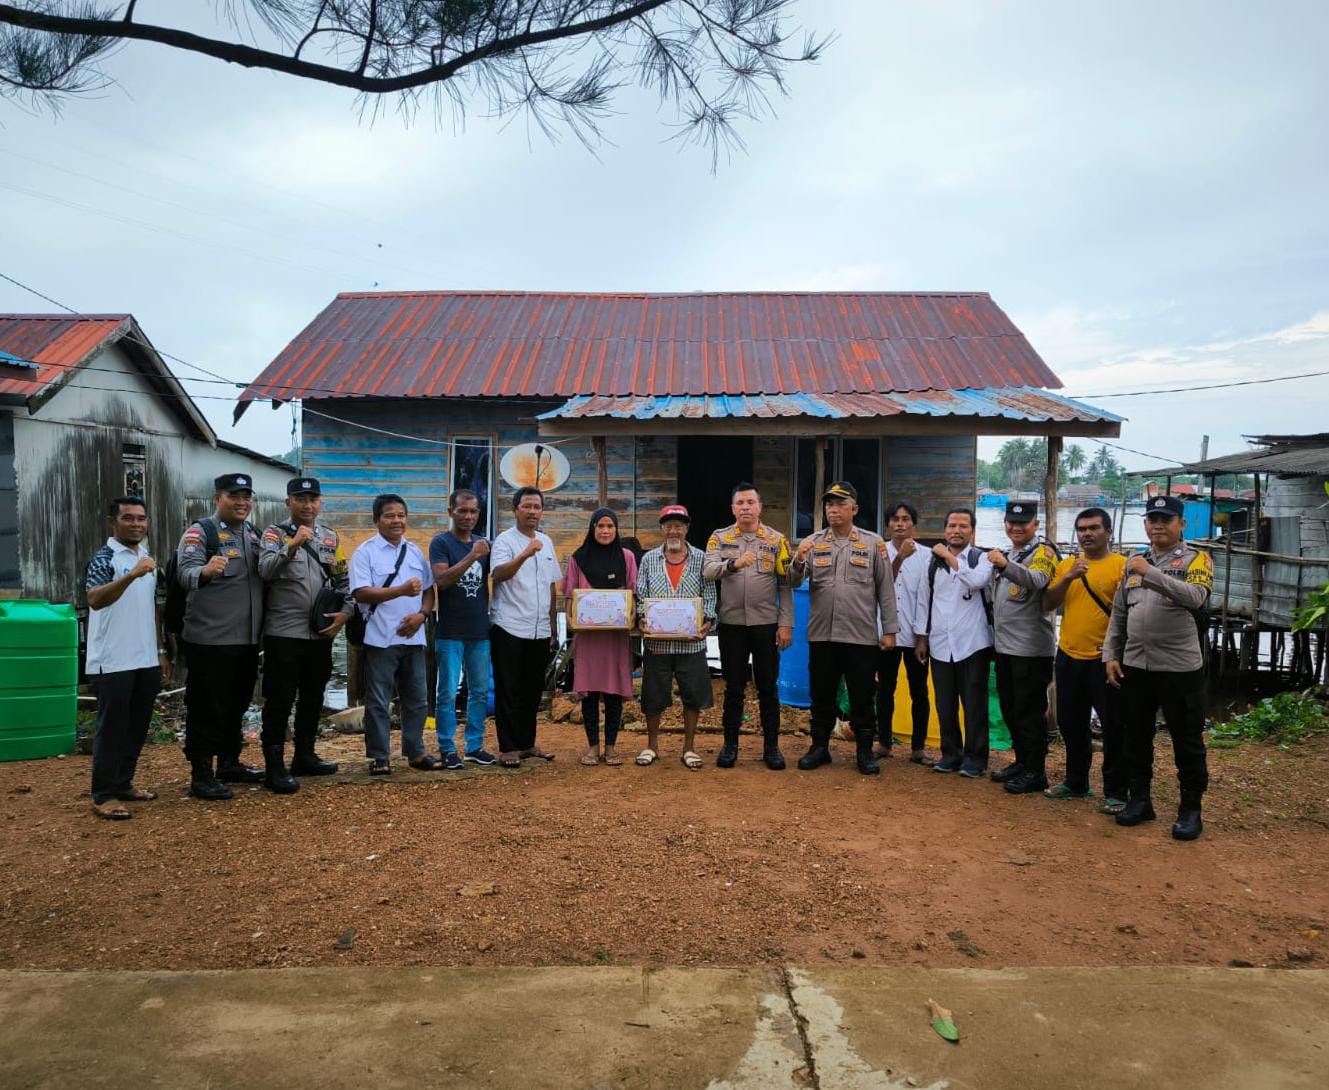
55 343
460 344
1019 403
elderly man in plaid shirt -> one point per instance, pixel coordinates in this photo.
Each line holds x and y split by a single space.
674 570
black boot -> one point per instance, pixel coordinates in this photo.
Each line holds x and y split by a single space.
275 777
770 750
1140 809
729 751
231 770
305 762
1006 772
203 784
1188 824
817 755
867 764
1027 782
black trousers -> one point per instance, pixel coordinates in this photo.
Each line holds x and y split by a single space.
829 662
217 695
519 682
888 675
964 682
124 711
1081 688
1022 693
739 644
295 673
1181 698
590 717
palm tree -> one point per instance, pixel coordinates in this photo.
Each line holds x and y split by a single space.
1074 459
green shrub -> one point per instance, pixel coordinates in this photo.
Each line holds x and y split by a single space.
1285 719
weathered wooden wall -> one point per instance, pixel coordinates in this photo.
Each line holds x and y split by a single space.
934 473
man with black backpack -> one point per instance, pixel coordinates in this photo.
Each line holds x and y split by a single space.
309 600
1023 643
216 564
958 638
1086 585
1154 651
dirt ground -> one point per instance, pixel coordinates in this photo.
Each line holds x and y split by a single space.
561 864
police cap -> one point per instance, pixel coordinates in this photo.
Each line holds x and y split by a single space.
842 490
1021 511
234 482
1167 506
296 485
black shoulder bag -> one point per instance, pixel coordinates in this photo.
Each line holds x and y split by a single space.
327 600
355 627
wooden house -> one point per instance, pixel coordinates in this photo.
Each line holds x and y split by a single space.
638 400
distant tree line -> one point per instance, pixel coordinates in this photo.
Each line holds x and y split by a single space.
1021 465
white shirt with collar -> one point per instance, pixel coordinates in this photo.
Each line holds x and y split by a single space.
959 621
909 589
520 605
371 565
123 635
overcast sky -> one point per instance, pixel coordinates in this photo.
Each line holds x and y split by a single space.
1141 186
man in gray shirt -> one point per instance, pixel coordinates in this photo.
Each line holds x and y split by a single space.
300 558
1025 645
217 564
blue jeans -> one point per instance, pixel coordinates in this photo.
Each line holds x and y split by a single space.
452 656
399 667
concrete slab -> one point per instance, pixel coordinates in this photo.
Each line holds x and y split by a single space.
1118 1028
710 1029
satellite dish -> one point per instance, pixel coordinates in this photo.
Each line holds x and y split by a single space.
521 466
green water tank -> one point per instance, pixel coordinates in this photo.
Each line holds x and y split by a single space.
38 679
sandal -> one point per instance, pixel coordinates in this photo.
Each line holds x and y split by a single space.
613 759
918 757
111 810
1065 791
137 794
509 760
590 759
380 767
427 763
692 760
1112 806
536 751
646 757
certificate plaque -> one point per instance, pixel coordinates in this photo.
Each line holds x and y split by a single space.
600 610
671 618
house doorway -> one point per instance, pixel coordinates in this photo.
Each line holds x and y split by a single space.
708 469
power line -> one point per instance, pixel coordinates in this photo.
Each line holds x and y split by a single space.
1208 386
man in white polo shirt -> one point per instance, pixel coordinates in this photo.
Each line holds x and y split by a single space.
124 663
524 568
394 587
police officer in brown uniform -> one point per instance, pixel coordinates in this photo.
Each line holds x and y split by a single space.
217 564
750 562
1153 653
851 615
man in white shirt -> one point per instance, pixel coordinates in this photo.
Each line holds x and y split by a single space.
957 634
394 588
909 565
125 661
524 568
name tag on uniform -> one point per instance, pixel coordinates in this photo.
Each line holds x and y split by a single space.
1133 581
821 561
859 559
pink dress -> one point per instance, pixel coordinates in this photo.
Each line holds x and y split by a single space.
601 661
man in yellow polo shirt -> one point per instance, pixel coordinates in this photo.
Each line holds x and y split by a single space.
1086 585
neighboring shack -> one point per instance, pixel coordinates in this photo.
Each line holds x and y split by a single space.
637 400
88 411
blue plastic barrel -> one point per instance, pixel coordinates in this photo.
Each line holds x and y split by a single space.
795 685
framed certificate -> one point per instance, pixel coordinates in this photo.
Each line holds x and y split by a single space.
605 610
671 618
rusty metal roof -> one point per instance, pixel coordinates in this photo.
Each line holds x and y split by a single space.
1017 403
54 344
514 344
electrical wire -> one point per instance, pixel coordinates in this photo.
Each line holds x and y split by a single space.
1208 386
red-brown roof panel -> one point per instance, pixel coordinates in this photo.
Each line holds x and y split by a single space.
508 344
54 343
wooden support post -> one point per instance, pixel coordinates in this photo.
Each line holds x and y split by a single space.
1227 591
598 444
355 678
818 482
1051 486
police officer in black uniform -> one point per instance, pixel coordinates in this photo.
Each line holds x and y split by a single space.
217 564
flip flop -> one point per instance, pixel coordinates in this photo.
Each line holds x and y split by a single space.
509 760
111 810
613 760
1061 791
427 763
541 754
692 760
590 759
646 757
138 794
380 768
1112 806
